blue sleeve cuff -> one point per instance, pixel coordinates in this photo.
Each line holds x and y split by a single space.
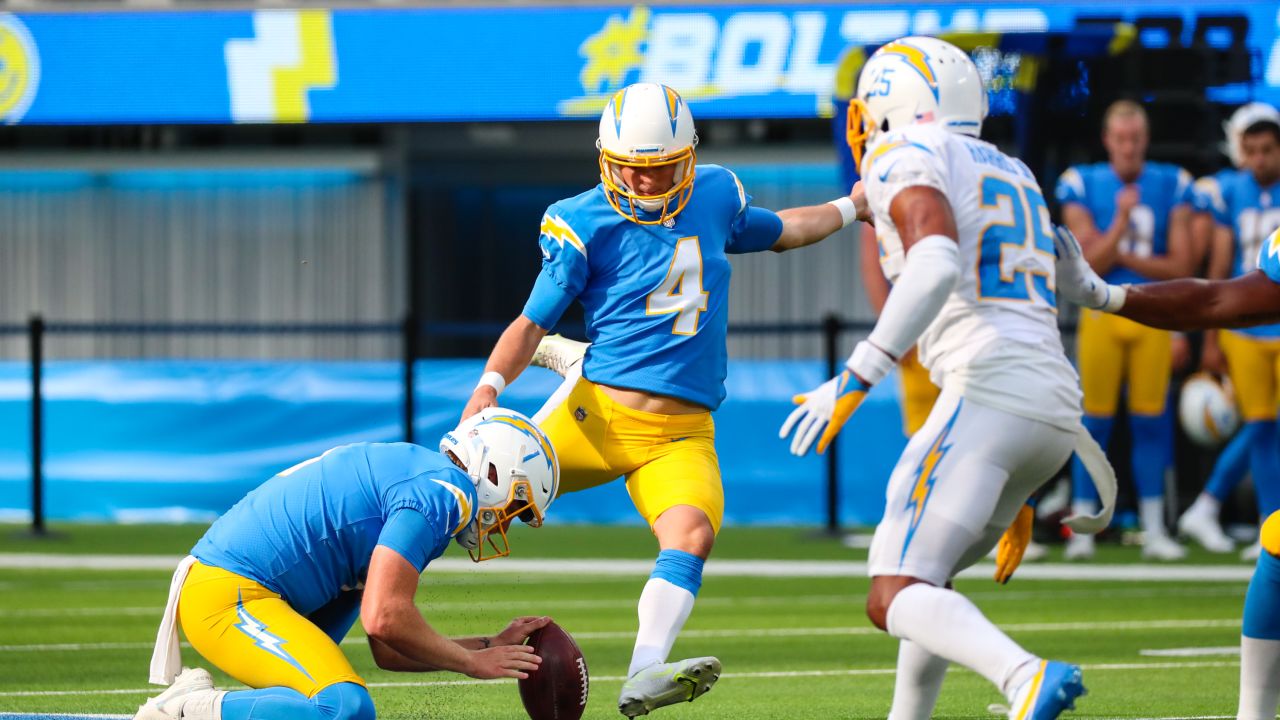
547 302
755 230
412 535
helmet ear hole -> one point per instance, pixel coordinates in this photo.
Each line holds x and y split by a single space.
493 474
884 125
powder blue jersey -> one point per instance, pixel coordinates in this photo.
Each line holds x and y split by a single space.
1162 188
309 532
655 297
1253 213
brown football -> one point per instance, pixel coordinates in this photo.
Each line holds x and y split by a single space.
557 690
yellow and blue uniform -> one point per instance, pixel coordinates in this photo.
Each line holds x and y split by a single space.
278 578
1114 352
656 306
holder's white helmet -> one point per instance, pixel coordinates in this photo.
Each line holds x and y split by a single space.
515 472
647 125
1240 120
916 79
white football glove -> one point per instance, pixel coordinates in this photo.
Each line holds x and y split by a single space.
1076 281
823 411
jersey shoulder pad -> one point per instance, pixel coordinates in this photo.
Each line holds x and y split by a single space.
458 496
921 144
570 224
722 182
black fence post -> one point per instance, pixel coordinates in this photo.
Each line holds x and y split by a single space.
35 336
831 327
409 343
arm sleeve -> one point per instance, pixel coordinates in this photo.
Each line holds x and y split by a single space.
564 270
753 229
1070 187
1207 198
1183 190
413 535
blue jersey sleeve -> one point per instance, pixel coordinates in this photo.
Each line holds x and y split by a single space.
564 270
1070 188
753 229
1209 198
414 536
1183 190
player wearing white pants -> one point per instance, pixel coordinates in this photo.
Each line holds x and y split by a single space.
965 236
959 484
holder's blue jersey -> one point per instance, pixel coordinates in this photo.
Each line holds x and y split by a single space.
655 297
1162 188
1207 193
309 532
1253 213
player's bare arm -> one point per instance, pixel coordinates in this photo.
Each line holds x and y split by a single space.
807 225
873 279
1192 304
1177 261
392 620
509 358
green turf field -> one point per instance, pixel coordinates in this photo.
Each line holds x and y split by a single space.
78 641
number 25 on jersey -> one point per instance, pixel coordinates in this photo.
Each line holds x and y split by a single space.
1015 251
681 292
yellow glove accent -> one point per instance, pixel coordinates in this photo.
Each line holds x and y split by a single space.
845 406
1013 544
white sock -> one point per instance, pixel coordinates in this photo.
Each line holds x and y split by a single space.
1151 513
1259 678
1205 504
663 609
1084 507
944 623
559 395
917 683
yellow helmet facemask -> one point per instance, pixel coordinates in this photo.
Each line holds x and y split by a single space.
492 522
629 204
860 126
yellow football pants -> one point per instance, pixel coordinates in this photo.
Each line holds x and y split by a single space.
1254 364
1115 351
251 633
668 460
918 392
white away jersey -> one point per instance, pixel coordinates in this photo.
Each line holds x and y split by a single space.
996 339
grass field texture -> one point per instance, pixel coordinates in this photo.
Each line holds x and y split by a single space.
78 641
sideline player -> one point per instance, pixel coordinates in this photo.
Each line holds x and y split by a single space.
1250 299
645 252
968 245
1133 219
276 583
1244 213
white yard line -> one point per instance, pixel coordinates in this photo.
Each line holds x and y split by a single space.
1225 651
723 568
843 672
731 633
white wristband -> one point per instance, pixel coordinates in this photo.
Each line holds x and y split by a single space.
494 380
870 362
848 211
1116 295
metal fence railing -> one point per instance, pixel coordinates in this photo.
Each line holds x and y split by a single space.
411 333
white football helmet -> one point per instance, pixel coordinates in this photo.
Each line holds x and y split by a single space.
916 79
515 472
1240 120
647 125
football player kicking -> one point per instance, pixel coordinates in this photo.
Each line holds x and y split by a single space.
1248 300
277 582
966 239
645 252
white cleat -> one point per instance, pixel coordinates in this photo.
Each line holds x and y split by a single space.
1035 552
1206 531
1163 548
667 684
558 354
1079 547
1252 553
193 686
